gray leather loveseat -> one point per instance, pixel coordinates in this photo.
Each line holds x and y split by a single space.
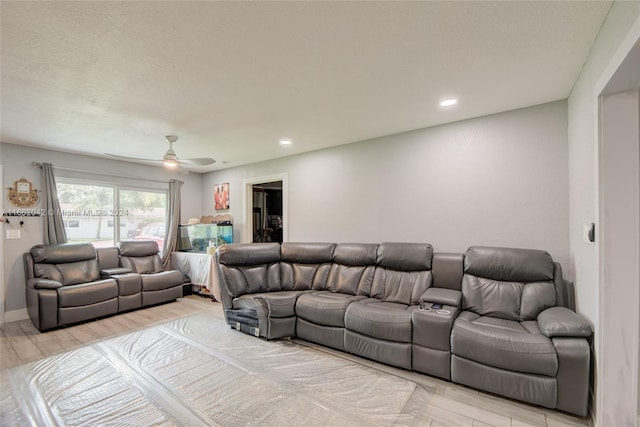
505 324
70 283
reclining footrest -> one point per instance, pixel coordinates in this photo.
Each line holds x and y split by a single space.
243 319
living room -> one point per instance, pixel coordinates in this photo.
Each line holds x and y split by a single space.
526 176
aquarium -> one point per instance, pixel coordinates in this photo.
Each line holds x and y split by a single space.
198 237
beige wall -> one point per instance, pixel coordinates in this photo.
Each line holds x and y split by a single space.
497 180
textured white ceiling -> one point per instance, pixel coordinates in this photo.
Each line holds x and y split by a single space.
232 78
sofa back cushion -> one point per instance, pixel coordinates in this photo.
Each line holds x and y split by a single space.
304 266
108 258
352 269
509 283
140 256
67 263
447 269
403 272
249 268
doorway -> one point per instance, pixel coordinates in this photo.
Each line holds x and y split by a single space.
265 209
267 212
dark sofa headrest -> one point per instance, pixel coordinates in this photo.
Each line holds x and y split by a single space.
108 257
248 253
63 253
135 248
355 254
405 256
307 253
509 264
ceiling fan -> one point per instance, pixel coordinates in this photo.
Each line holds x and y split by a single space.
170 158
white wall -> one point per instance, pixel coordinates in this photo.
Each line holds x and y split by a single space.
619 243
496 180
619 32
583 149
17 161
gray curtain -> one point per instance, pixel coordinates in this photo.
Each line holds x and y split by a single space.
53 226
173 220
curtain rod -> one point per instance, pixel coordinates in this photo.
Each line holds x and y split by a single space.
39 165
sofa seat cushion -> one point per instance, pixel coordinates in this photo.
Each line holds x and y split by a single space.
128 284
162 280
324 307
506 344
378 319
87 293
269 304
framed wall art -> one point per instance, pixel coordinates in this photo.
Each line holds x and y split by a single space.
22 194
221 196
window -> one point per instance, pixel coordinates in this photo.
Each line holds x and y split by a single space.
103 214
146 212
88 206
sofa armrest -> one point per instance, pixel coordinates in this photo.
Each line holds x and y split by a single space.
562 322
185 277
278 306
108 272
442 296
43 284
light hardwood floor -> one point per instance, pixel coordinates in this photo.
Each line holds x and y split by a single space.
452 405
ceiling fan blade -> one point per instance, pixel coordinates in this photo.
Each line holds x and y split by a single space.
133 158
204 161
181 171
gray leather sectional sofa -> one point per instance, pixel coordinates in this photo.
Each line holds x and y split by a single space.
70 283
506 324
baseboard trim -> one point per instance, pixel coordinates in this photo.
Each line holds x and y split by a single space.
592 415
15 315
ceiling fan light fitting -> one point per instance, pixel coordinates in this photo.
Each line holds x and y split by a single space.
448 102
170 158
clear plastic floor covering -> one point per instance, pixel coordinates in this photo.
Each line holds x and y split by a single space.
196 371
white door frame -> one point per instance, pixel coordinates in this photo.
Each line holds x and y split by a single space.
247 204
2 284
619 75
619 252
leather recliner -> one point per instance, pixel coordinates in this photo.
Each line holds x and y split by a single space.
380 327
320 313
64 285
265 281
142 257
514 337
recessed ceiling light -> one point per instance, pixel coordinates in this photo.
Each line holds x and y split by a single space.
285 142
448 102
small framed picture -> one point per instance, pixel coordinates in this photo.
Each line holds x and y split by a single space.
221 196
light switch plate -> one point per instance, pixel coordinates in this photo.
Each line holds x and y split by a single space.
13 233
